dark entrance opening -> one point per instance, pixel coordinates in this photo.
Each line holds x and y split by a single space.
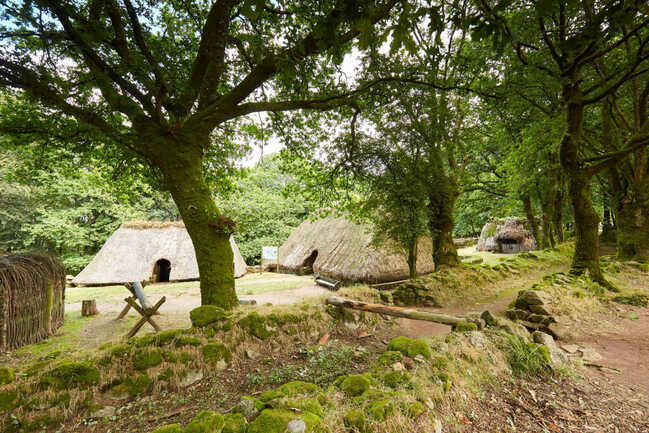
307 265
162 271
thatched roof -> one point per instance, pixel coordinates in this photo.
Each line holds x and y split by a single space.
32 293
345 252
496 232
131 253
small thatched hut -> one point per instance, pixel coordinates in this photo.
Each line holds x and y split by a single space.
32 293
506 236
341 249
148 251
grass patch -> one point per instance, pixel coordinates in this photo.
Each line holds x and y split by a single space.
527 359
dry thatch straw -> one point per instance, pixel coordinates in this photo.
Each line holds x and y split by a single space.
32 293
343 250
506 236
134 250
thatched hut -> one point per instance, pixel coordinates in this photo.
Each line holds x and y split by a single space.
341 249
32 293
148 251
506 236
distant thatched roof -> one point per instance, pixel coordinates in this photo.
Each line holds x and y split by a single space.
131 253
32 293
509 231
345 252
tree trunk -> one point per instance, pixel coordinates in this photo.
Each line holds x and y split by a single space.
441 203
412 258
633 226
182 168
529 214
586 256
89 308
558 216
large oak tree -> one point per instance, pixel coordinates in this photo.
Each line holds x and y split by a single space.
162 78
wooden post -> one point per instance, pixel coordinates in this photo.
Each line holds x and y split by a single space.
89 308
408 313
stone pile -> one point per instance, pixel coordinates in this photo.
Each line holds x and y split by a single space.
533 310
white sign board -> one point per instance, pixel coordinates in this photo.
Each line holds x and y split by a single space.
269 253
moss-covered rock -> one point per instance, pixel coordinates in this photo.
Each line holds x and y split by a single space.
131 386
217 354
291 389
419 347
283 319
145 358
207 315
276 421
249 407
465 327
9 400
169 428
186 340
71 375
400 344
206 422
396 378
381 409
6 375
120 350
255 324
414 409
355 385
355 419
389 357
234 423
166 337
304 404
410 347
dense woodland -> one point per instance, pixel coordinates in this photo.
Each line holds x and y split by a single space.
456 111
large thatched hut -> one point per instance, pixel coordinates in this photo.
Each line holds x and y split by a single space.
341 249
506 236
32 293
148 251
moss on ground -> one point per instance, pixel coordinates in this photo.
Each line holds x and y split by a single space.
132 386
9 399
397 378
206 422
216 353
206 315
234 423
291 389
255 325
276 421
145 358
355 420
465 327
169 428
71 375
355 385
6 375
410 347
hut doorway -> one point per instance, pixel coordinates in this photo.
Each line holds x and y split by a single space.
307 265
161 271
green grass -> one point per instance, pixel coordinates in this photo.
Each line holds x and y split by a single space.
487 257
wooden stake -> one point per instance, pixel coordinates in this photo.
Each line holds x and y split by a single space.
89 308
146 315
408 313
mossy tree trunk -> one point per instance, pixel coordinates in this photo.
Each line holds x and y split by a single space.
633 224
586 256
181 164
441 203
412 257
558 216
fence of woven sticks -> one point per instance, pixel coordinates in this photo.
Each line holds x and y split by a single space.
32 293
